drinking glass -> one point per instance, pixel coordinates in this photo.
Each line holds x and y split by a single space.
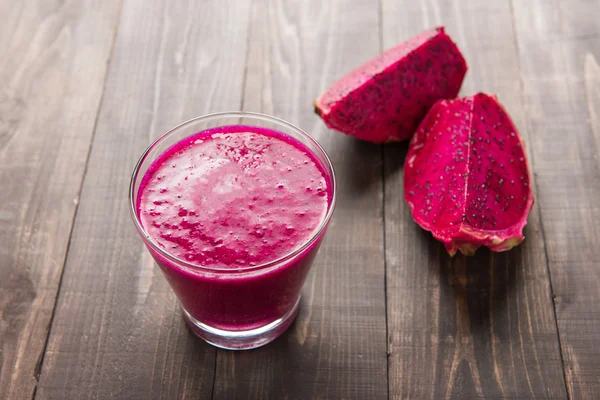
236 307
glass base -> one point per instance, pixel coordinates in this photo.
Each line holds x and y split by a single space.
241 340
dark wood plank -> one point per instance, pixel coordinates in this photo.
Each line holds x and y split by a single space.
480 327
336 349
118 331
559 45
47 114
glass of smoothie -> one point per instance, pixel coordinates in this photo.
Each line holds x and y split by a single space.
233 207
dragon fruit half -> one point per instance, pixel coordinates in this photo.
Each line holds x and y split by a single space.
385 99
466 177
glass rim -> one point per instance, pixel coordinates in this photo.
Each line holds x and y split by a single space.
240 114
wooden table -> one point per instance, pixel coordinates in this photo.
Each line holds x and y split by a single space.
86 85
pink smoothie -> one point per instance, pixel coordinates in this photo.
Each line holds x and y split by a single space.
230 200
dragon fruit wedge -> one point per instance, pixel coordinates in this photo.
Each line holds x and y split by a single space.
466 177
385 99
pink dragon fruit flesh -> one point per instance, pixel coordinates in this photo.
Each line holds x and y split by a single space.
466 176
386 98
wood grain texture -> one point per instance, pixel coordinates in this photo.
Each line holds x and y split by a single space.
467 328
336 348
559 45
47 113
118 331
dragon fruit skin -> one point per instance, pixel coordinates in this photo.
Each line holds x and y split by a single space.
466 176
386 98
